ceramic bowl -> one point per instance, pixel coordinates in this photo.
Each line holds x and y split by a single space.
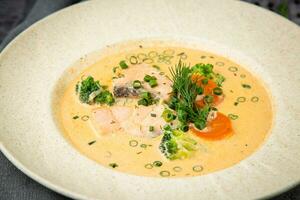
31 65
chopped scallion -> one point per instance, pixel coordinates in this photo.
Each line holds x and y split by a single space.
113 165
151 128
153 83
123 64
218 91
137 84
147 78
157 163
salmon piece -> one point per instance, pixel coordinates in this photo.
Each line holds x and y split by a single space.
104 121
123 85
134 120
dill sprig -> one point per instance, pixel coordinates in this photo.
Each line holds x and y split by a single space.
184 96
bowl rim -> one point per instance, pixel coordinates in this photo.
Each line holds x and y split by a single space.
61 189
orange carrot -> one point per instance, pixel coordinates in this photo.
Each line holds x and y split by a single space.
207 90
217 129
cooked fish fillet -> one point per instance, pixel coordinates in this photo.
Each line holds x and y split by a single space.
134 120
123 85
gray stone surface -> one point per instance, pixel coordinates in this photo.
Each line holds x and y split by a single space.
14 185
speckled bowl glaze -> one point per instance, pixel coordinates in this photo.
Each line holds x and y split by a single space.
30 66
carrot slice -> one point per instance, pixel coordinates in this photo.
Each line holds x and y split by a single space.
217 129
207 90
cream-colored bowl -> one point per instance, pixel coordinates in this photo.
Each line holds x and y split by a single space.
31 65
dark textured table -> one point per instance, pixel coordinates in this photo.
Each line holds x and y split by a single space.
13 183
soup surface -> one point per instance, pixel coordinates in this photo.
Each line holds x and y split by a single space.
246 102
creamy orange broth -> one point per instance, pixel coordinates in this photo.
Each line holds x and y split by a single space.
250 128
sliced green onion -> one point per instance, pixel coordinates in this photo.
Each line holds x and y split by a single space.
145 95
123 64
143 102
167 115
147 78
157 163
143 146
208 99
177 169
200 124
153 115
218 91
133 143
241 99
151 128
233 116
85 118
243 76
198 168
246 86
149 166
204 81
92 142
254 99
153 83
148 60
164 173
137 84
113 165
167 127
156 67
133 60
184 127
233 69
219 63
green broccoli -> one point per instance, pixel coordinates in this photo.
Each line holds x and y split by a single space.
105 97
176 144
90 91
206 70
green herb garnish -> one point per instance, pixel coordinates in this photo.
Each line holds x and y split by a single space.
151 128
185 93
146 99
105 97
136 84
218 91
206 70
246 86
147 78
168 115
92 142
175 144
90 91
123 64
156 67
113 165
157 163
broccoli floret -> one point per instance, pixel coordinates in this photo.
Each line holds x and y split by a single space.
203 69
206 70
176 144
90 91
86 87
105 97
